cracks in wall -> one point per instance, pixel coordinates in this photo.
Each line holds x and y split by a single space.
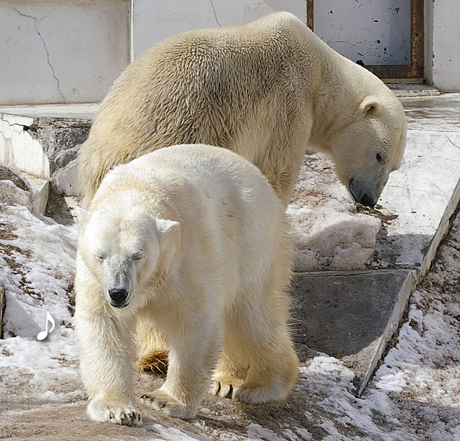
36 23
214 11
12 125
49 63
455 145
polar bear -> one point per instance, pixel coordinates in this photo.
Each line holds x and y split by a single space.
268 90
193 241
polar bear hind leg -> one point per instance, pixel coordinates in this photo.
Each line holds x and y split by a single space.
152 349
258 363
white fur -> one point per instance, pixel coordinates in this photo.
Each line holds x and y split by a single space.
267 90
197 239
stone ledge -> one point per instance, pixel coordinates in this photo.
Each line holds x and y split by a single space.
42 188
2 309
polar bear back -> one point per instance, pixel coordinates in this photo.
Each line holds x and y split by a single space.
224 87
192 174
267 90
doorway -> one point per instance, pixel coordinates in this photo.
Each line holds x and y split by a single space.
385 37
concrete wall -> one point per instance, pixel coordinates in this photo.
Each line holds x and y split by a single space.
61 51
442 37
155 20
19 148
70 51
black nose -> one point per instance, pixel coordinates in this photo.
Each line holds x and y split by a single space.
367 201
357 190
118 296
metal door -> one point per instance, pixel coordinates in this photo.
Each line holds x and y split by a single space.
385 36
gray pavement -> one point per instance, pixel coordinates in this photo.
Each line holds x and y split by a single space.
349 315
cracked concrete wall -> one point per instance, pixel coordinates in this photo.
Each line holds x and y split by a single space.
61 51
155 20
71 51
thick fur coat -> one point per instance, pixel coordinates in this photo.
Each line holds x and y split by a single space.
189 243
267 90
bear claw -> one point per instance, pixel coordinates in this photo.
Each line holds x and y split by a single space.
165 403
114 413
222 390
126 419
225 385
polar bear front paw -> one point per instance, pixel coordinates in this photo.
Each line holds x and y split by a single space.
103 411
162 401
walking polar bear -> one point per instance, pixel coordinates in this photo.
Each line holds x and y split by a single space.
268 90
193 241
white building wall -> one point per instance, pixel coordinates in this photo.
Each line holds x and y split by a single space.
61 51
156 20
442 38
71 51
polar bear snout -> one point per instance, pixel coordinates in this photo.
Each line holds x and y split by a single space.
360 194
119 297
119 281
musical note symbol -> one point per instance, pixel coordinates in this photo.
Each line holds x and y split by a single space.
42 335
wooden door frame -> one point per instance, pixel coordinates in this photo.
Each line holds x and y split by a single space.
412 71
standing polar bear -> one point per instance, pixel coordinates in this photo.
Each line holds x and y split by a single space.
268 90
193 241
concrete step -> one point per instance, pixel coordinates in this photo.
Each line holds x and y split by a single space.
349 315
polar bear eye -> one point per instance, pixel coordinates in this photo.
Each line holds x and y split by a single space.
137 255
101 256
380 158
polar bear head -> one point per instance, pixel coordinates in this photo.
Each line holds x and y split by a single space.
368 145
128 251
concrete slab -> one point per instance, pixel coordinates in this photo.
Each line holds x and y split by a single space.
42 187
61 111
440 113
423 194
353 315
349 316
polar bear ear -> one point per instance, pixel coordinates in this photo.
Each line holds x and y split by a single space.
166 227
169 238
369 106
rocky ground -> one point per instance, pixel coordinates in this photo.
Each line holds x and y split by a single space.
413 396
